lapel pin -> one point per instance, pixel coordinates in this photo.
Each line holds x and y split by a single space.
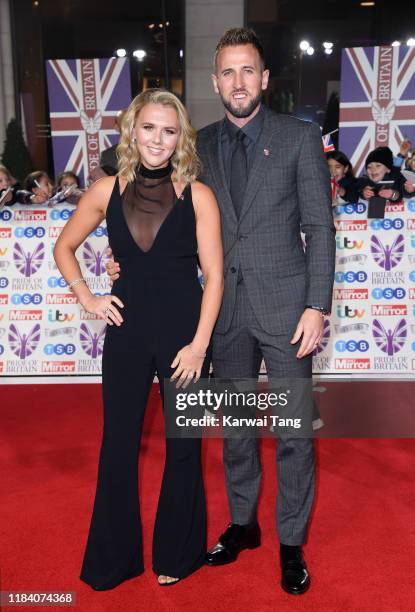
267 152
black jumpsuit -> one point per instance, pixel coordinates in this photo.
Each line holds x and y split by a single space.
152 234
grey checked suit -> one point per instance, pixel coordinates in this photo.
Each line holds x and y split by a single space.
288 190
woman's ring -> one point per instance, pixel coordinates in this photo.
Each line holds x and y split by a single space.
106 311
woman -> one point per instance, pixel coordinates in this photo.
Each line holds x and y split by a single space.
8 187
158 219
342 176
67 188
39 187
409 186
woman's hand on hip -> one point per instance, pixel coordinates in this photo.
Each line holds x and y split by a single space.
103 306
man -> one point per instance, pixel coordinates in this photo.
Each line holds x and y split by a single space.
271 179
108 159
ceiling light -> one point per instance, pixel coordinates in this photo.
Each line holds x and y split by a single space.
411 42
304 45
139 54
328 45
310 50
396 43
121 52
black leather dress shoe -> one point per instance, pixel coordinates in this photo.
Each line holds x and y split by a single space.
295 578
235 539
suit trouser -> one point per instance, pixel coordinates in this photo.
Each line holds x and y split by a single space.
238 353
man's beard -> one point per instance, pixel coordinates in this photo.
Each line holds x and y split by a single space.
242 112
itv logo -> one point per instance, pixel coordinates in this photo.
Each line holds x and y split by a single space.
345 312
60 317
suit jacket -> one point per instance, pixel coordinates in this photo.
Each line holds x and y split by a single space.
109 158
288 191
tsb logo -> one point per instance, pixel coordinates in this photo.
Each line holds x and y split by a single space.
29 232
26 298
63 214
5 215
99 231
388 293
387 224
349 209
351 277
56 281
59 349
352 346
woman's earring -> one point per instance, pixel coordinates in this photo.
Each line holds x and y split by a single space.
134 140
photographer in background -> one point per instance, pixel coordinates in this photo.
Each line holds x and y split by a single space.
108 159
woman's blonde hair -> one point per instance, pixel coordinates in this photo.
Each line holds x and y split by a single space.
185 160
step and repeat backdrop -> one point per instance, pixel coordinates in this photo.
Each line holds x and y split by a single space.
43 329
45 332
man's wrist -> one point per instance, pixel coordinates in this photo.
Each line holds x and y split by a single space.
323 311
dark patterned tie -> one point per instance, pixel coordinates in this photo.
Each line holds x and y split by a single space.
239 172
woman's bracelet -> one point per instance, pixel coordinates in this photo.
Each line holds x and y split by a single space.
196 354
76 282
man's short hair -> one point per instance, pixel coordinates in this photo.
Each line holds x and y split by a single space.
239 36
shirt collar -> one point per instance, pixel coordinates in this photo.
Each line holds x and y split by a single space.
252 129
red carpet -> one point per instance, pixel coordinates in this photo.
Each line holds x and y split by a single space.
360 551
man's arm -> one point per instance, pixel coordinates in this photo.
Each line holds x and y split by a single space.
314 198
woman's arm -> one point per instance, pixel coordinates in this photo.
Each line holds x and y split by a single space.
208 231
88 215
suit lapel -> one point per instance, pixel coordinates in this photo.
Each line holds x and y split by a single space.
217 171
263 152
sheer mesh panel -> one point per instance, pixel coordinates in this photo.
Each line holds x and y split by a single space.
146 202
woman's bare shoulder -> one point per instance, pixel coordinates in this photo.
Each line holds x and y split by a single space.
202 193
103 186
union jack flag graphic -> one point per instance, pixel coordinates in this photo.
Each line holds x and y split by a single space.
84 98
377 101
328 144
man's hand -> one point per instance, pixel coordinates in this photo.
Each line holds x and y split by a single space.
113 267
310 327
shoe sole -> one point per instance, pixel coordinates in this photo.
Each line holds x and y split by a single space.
296 592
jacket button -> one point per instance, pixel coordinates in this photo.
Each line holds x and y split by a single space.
241 238
233 269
